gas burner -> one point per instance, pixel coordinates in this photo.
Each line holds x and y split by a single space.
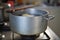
31 37
9 35
42 36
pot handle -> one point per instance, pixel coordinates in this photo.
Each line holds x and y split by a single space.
50 17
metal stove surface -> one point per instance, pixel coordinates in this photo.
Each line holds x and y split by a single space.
13 36
7 34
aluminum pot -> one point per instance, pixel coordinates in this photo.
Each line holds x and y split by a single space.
29 25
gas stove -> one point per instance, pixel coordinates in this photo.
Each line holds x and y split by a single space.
13 36
7 34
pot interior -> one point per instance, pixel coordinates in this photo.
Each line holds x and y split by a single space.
29 12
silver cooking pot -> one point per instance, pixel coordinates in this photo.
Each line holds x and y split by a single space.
29 25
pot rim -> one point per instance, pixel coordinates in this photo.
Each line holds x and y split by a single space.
41 12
